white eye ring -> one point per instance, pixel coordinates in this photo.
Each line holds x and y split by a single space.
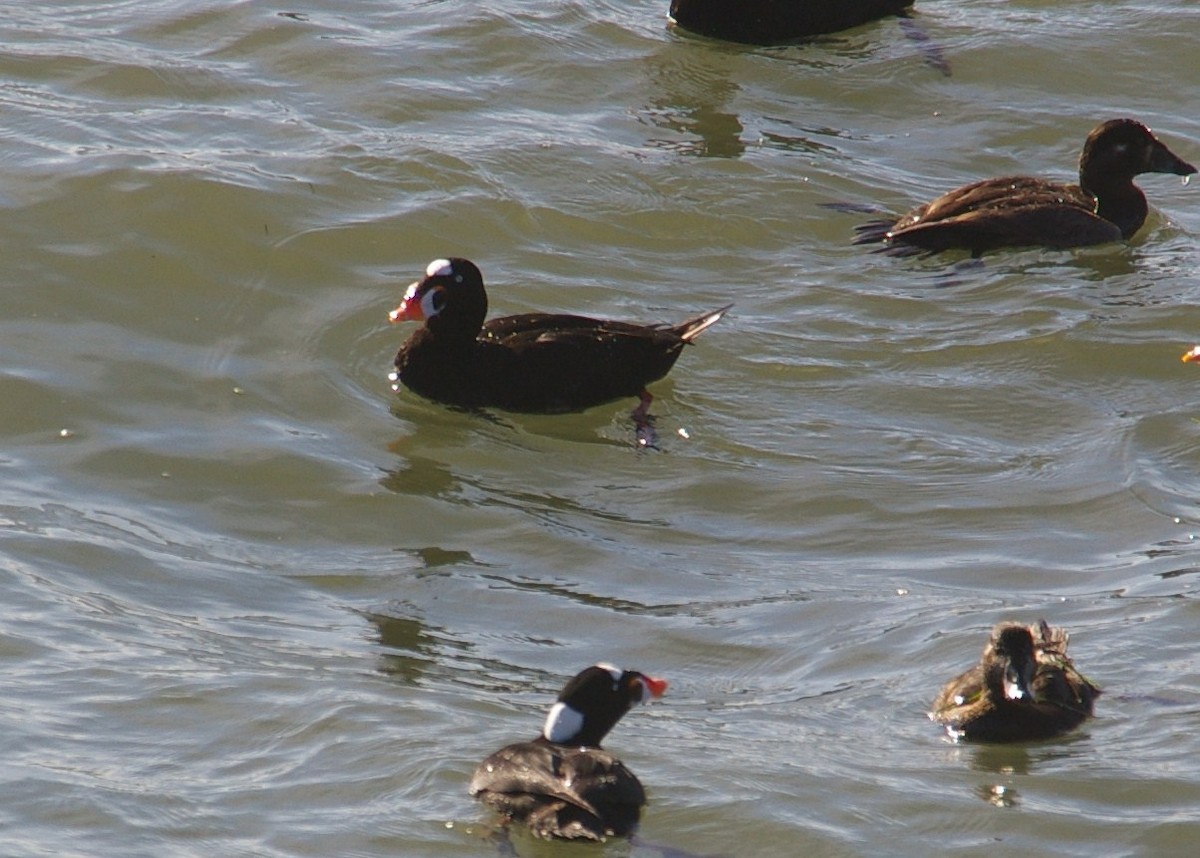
439 268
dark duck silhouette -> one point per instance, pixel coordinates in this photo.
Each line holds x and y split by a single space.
774 22
535 362
1017 211
1024 688
563 784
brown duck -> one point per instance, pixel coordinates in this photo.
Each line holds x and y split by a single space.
1024 688
1017 211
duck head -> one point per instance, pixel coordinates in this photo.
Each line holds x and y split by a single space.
1119 149
1010 663
449 299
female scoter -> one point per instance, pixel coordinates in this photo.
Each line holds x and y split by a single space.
536 362
774 22
1024 688
1016 211
562 784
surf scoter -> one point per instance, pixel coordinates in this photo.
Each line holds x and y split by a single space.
773 22
1015 211
562 784
1024 688
536 362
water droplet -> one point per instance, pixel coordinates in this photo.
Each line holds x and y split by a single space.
1187 180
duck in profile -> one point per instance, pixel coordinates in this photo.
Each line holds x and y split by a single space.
1021 211
534 363
563 784
775 22
1024 688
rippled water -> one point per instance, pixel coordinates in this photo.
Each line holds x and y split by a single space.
255 604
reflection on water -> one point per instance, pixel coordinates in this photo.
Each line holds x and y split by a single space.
257 604
692 102
998 795
1000 759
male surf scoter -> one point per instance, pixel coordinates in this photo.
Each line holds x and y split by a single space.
1024 688
1016 211
774 22
536 362
562 784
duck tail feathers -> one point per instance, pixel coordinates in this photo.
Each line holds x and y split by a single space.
693 328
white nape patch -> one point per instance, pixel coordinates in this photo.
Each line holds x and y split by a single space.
613 671
562 724
439 268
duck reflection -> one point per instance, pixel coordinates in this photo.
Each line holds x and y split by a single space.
1001 759
692 106
998 795
416 648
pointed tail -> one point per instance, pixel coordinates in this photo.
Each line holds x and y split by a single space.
693 328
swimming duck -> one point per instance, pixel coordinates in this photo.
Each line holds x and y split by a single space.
562 784
1024 688
1015 211
773 22
536 362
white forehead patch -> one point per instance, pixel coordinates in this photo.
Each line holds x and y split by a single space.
613 671
562 724
439 268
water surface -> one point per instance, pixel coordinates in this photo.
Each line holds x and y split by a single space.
256 604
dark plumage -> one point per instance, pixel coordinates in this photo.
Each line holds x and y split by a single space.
1024 688
536 362
1015 211
562 784
773 22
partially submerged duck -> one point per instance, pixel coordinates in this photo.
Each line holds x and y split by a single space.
1018 211
774 22
535 362
563 784
1024 688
